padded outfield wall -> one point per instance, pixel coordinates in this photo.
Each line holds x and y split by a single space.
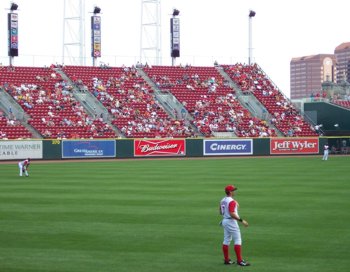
158 148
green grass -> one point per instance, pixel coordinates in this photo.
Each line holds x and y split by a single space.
162 215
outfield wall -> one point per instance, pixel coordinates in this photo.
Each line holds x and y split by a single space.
150 148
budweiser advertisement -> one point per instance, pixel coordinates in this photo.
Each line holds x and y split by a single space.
155 148
294 146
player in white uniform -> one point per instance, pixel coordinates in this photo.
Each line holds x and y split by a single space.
325 152
23 167
229 211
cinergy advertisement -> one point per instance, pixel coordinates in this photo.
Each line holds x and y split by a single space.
153 148
227 147
294 146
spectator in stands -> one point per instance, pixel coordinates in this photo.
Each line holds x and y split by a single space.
290 132
3 135
47 133
28 105
317 128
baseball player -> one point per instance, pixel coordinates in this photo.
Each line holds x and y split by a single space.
325 152
23 167
229 211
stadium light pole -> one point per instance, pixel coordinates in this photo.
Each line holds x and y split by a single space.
250 49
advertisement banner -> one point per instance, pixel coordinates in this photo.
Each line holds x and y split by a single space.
175 37
88 149
227 147
95 36
11 150
151 148
294 146
12 34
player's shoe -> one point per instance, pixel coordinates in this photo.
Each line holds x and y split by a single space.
243 263
229 262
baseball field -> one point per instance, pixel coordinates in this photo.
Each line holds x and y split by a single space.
162 215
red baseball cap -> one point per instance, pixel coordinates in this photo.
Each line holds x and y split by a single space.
230 188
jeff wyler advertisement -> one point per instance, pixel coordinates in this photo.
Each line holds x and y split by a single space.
227 147
12 150
88 149
294 146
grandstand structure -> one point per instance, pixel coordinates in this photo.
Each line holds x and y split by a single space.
81 102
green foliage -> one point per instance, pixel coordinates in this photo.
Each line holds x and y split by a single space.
162 215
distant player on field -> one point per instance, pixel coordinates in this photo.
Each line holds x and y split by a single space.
229 211
325 152
23 167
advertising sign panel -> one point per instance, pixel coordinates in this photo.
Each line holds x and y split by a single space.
12 34
88 149
95 36
150 148
294 146
11 150
228 147
175 37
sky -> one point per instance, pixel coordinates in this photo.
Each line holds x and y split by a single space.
209 30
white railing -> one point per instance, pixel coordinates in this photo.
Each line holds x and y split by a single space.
115 60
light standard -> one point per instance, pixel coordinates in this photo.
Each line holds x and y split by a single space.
250 49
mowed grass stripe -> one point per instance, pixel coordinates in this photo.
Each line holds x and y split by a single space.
162 215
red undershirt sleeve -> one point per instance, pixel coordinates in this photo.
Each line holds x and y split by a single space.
232 206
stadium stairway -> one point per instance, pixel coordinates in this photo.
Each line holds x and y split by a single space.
249 101
10 107
170 103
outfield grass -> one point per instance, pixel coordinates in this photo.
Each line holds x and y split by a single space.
162 215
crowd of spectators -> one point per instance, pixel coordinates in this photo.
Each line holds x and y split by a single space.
208 97
336 97
11 128
225 114
252 80
131 102
203 92
53 110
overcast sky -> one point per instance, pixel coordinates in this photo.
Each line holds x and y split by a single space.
209 30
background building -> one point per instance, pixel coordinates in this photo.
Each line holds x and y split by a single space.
309 72
342 54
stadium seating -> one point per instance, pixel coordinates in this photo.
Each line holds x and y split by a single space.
12 129
129 99
285 117
342 103
209 99
48 100
203 91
